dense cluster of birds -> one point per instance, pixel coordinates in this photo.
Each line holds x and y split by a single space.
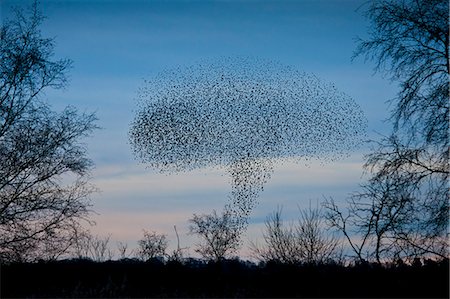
242 114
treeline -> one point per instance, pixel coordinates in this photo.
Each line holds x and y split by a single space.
82 278
309 239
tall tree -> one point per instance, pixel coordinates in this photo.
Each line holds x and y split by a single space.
409 40
404 207
44 170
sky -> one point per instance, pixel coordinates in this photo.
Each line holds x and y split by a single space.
116 45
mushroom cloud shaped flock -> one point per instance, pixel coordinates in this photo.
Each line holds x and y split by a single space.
242 114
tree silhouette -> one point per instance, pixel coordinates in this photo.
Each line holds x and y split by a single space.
44 171
241 114
403 208
409 40
152 245
220 234
305 241
89 246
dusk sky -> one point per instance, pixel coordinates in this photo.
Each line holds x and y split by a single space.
116 45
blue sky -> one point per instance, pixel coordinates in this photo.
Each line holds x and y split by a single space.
115 45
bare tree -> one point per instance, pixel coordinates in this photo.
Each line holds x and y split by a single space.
82 245
303 242
152 245
413 181
317 245
100 250
122 249
87 245
345 223
220 234
409 40
403 209
368 224
280 242
44 171
382 222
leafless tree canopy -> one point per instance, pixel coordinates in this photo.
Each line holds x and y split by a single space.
305 241
44 171
87 245
152 245
403 210
219 234
409 39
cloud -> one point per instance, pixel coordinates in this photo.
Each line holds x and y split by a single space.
119 179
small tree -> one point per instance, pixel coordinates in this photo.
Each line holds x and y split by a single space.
152 245
122 249
316 244
87 245
280 242
303 242
220 234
